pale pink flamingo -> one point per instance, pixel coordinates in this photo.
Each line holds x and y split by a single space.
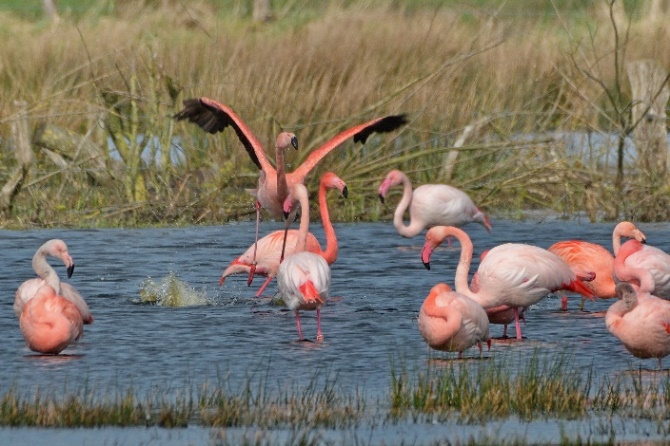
584 257
430 205
268 255
641 323
48 276
303 277
451 322
49 322
273 185
640 256
511 275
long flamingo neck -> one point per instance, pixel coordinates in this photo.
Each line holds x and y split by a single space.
44 270
330 254
463 268
301 244
282 186
413 228
616 241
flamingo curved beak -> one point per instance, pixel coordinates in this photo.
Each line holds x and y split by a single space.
426 252
345 192
381 198
70 270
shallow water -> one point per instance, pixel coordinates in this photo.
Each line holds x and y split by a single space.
378 285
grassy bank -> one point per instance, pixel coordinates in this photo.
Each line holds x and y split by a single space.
114 74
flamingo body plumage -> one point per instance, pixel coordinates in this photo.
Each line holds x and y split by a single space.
585 257
49 322
430 205
639 256
641 323
511 275
303 278
269 248
449 321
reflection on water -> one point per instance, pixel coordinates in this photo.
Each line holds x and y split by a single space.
214 333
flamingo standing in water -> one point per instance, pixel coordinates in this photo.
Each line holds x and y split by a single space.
48 276
583 256
430 205
511 276
273 185
641 323
452 322
49 322
303 277
269 247
640 256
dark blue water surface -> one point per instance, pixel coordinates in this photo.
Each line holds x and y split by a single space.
378 285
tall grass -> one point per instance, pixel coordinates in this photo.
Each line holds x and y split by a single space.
119 74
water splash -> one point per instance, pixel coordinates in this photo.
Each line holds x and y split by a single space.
170 291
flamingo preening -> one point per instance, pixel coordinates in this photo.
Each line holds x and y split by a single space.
639 256
450 321
303 277
511 275
48 276
430 205
583 256
274 184
268 255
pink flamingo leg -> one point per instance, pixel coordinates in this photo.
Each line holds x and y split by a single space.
516 323
319 334
297 323
263 287
252 270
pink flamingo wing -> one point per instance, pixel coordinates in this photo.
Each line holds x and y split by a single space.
360 133
213 117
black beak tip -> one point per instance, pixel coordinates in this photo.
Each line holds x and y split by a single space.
427 265
345 192
294 142
644 240
70 270
381 198
286 214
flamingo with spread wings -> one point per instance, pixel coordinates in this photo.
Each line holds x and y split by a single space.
274 184
268 256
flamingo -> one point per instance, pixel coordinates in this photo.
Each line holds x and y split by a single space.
583 256
641 323
639 256
273 185
511 275
452 322
430 205
303 277
269 247
48 276
49 322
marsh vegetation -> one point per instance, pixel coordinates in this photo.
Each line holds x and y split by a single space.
538 98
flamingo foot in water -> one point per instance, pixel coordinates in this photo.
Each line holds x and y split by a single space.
564 303
252 271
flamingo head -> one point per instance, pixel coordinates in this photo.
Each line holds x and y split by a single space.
331 181
428 247
286 140
482 219
58 248
629 230
393 178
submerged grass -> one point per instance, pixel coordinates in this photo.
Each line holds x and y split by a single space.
539 387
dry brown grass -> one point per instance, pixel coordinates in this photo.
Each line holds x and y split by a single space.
315 75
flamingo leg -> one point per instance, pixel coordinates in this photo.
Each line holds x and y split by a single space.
319 334
297 323
504 331
252 270
564 302
516 323
263 287
581 304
